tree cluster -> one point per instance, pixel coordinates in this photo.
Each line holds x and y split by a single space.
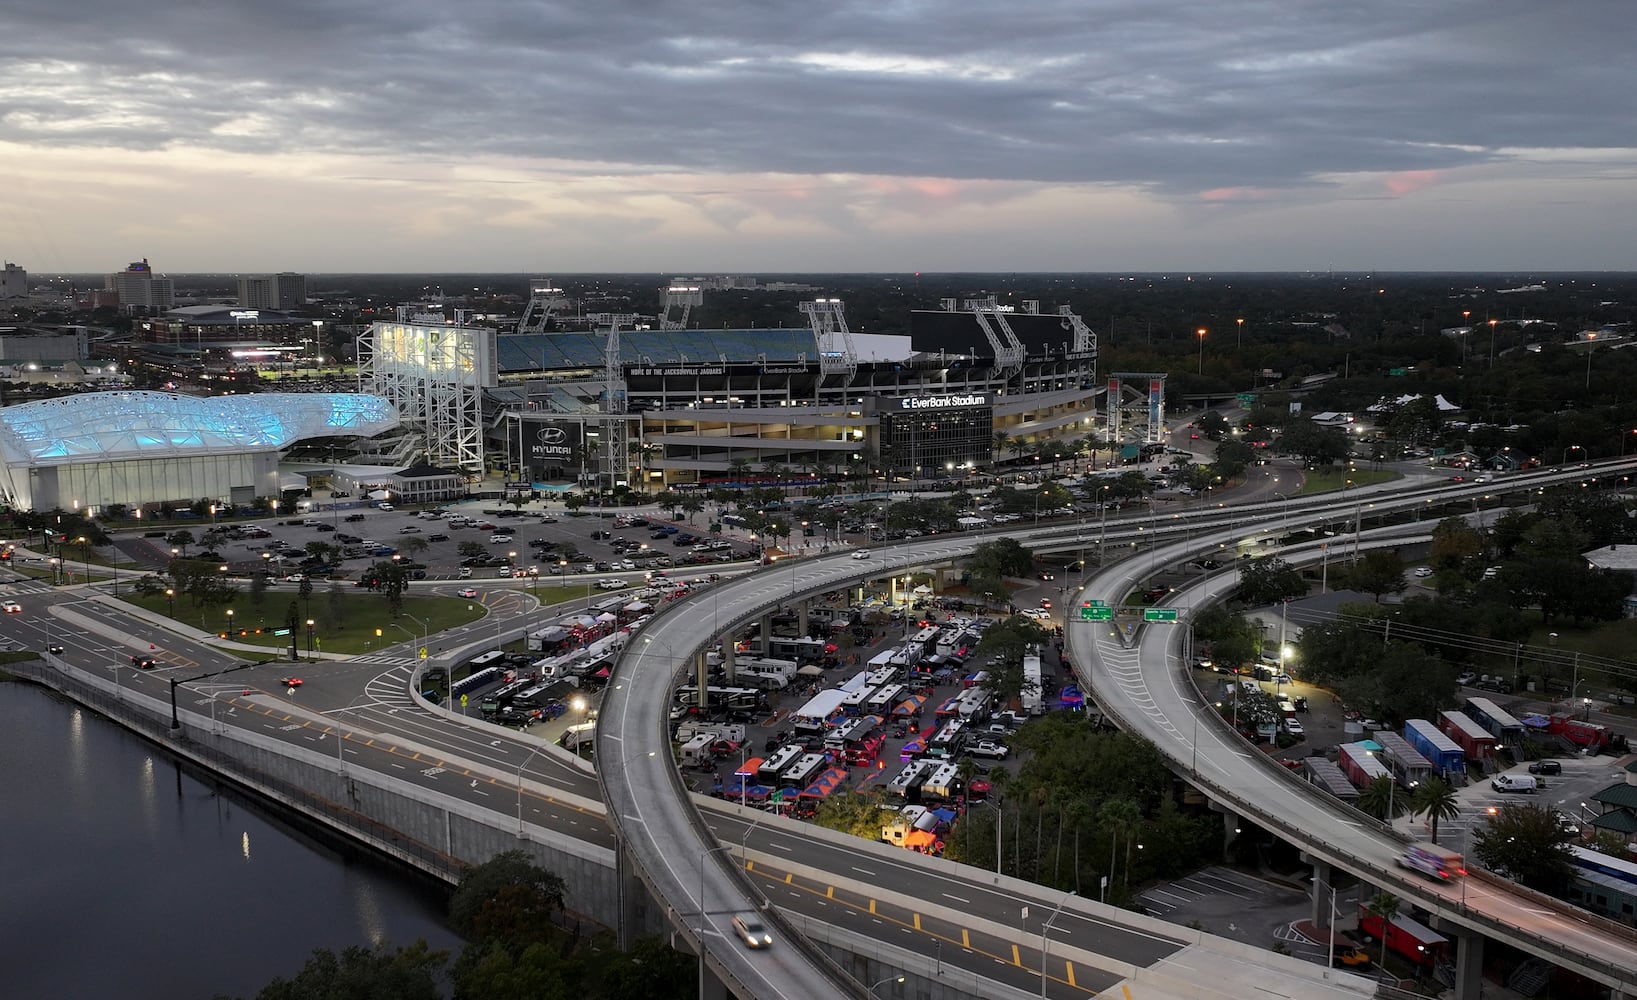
510 912
1077 809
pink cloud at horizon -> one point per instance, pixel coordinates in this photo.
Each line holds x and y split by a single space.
1410 181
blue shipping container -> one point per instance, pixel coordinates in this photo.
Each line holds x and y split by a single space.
1445 754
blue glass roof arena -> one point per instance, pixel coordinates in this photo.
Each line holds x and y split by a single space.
109 426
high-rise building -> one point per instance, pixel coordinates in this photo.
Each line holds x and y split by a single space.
13 282
283 291
140 290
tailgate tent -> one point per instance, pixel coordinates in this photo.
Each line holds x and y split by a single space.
910 706
827 782
821 706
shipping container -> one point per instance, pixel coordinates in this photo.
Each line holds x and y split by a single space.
1508 731
1475 741
1405 761
1409 938
1444 753
1360 765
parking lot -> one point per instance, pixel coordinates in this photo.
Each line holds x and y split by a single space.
536 542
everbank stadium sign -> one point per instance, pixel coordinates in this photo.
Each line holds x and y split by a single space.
943 402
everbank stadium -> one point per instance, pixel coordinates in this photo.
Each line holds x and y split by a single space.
674 407
629 402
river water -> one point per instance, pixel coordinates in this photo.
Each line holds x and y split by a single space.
122 878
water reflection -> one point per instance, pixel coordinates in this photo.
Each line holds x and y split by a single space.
169 890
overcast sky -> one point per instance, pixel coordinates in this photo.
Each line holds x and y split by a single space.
819 135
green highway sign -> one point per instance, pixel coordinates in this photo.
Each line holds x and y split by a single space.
1247 399
1159 614
1095 614
1096 603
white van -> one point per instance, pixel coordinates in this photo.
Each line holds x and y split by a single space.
1513 783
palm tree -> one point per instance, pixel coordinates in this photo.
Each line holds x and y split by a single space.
691 504
998 780
1379 798
1002 441
1077 814
1436 800
737 467
1120 816
1386 906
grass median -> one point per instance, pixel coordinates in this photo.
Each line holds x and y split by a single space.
1330 480
345 621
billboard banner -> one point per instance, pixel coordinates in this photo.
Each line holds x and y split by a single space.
553 441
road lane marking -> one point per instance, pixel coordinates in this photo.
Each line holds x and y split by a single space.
957 899
1017 958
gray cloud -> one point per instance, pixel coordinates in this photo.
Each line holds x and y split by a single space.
1181 97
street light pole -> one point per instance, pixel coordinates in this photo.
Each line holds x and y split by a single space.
1201 332
701 941
1043 931
520 768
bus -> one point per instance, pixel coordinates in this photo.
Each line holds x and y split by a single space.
947 743
730 699
492 658
884 699
1433 860
804 770
775 766
855 702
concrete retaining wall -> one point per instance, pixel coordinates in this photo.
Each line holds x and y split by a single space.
435 833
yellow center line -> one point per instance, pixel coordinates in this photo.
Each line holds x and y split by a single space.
1070 967
872 907
1017 959
966 938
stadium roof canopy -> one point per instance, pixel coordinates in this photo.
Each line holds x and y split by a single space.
120 425
543 351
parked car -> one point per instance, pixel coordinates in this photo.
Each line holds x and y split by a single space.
1546 767
990 749
349 517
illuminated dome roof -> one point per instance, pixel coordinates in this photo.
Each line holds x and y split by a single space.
109 426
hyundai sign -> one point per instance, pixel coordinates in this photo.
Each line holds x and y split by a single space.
554 441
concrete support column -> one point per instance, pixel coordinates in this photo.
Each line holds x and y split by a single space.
729 665
1469 964
701 669
710 987
633 900
1320 897
765 629
801 617
1230 827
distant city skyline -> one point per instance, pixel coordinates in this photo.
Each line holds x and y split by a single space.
844 137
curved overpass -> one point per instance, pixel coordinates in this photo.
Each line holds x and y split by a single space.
680 863
1146 688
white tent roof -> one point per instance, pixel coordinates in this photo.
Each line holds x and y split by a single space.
821 705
